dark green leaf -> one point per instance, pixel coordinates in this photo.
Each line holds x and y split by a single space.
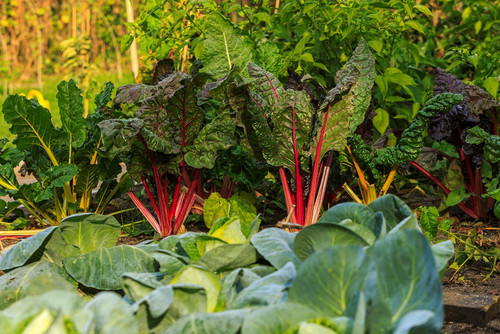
71 110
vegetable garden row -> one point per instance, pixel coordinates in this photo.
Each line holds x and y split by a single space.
218 141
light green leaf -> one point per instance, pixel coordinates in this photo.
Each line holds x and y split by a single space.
443 252
89 232
103 268
26 280
207 279
317 237
223 47
228 257
228 322
491 85
406 281
423 9
343 269
270 319
376 45
111 314
228 229
401 79
25 251
276 246
381 120
415 25
215 207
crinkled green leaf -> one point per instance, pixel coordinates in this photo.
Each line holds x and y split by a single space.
118 135
215 207
292 127
71 109
412 139
491 147
343 117
215 136
30 122
87 178
223 47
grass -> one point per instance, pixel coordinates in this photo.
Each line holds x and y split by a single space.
49 92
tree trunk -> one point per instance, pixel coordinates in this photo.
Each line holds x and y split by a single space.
133 48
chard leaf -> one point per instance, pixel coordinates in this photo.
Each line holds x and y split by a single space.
71 109
215 136
118 135
491 147
104 97
57 176
292 127
133 94
31 123
110 263
8 178
172 118
412 139
268 88
223 47
343 117
87 178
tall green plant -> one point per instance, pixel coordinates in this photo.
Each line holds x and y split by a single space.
64 160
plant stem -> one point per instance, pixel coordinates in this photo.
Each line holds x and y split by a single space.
290 205
298 178
461 205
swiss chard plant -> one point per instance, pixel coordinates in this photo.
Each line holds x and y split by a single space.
336 276
64 161
476 119
371 164
167 144
284 127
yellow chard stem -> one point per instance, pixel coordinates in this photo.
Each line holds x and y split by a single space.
388 181
351 193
